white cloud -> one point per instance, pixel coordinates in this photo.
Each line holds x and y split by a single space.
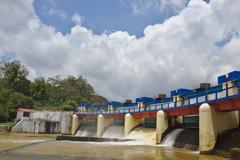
140 7
180 52
52 10
77 19
57 12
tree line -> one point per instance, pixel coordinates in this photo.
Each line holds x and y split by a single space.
53 93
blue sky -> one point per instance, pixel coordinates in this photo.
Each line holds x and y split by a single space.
197 40
99 16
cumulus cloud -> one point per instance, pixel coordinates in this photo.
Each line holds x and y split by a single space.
77 19
181 52
52 10
140 7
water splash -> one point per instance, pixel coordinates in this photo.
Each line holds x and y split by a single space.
114 131
143 135
170 139
87 130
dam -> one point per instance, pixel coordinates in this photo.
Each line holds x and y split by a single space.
192 119
201 113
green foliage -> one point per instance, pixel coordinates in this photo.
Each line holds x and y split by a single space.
98 100
39 90
71 88
4 95
17 100
14 77
16 91
69 105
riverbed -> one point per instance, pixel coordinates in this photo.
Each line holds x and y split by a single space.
44 147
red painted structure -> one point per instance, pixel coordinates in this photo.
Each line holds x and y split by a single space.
227 104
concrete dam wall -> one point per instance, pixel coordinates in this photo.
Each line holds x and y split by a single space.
202 134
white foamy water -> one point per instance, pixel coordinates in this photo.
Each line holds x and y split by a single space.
87 130
143 135
114 131
170 139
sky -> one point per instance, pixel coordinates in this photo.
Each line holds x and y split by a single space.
124 48
106 16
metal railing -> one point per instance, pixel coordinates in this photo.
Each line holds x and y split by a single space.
207 97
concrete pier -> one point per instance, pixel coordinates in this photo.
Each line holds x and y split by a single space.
212 123
102 123
161 126
76 123
66 122
130 123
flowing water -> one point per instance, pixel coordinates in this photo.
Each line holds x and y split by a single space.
182 138
87 130
114 131
145 135
64 150
19 147
170 139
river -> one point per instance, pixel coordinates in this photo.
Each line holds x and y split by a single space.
65 150
20 146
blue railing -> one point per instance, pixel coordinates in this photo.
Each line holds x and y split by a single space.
209 96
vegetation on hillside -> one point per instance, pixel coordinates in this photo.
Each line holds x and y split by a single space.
54 93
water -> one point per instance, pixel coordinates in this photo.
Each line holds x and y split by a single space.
87 130
170 139
14 147
182 138
145 135
114 131
55 150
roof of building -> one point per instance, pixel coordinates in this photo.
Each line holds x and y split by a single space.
26 110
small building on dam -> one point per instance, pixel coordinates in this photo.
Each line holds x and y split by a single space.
208 110
33 121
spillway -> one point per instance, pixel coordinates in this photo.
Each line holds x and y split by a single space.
170 139
144 135
182 138
87 130
114 131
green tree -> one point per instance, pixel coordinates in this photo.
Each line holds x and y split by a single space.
17 100
98 100
14 77
77 89
69 105
70 88
40 90
4 96
55 92
17 91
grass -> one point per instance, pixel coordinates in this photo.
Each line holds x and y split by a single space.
7 126
6 123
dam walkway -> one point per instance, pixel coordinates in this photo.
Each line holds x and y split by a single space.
224 96
213 109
